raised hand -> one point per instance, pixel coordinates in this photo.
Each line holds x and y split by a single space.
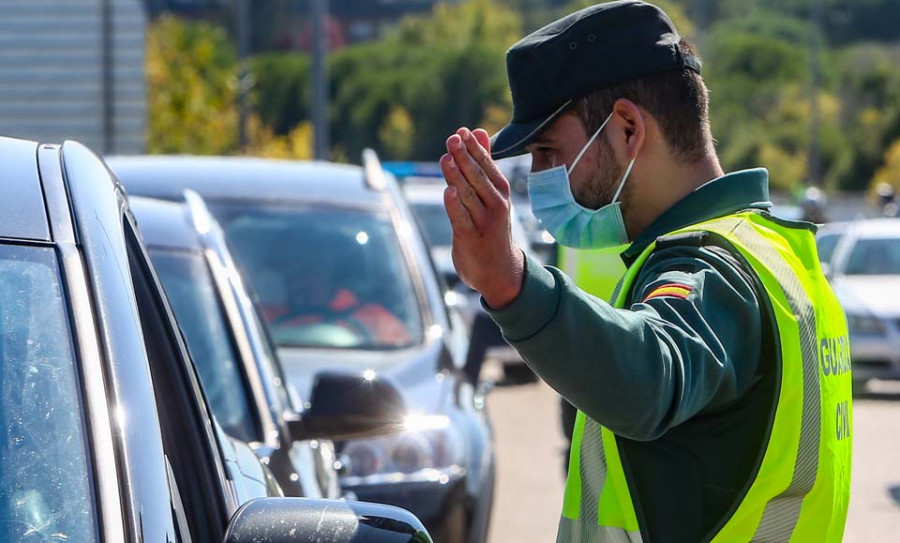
477 201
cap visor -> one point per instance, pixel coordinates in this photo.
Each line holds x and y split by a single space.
511 140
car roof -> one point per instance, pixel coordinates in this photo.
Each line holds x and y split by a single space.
433 194
245 178
164 224
830 228
21 197
430 193
876 228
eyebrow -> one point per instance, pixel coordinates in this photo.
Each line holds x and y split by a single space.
541 140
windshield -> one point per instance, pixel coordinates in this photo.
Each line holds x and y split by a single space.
875 257
45 489
435 223
192 293
326 277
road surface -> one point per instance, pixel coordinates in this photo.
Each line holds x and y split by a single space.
530 480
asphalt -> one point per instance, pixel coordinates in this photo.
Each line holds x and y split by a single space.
530 459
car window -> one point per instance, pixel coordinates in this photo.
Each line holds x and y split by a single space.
189 440
826 244
326 277
434 222
45 488
192 293
874 257
271 360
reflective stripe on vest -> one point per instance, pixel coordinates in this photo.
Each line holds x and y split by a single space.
801 489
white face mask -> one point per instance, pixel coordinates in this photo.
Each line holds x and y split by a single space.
572 224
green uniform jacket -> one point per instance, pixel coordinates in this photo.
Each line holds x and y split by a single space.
676 376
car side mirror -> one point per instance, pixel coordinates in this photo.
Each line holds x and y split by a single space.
295 520
349 405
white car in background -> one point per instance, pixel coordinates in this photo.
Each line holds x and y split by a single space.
862 261
542 243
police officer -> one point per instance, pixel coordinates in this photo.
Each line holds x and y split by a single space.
714 387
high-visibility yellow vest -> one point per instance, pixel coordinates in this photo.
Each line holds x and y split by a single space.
595 272
802 487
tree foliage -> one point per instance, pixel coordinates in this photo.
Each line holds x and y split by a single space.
445 70
192 93
406 92
191 88
282 84
890 172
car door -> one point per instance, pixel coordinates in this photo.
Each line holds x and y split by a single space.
213 474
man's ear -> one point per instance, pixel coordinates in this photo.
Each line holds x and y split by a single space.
630 129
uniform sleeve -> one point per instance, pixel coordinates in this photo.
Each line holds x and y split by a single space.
689 342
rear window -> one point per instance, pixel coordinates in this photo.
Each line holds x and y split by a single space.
45 489
874 257
326 277
192 294
435 223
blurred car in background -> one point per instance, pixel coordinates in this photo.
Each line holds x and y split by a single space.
862 261
516 170
790 212
827 238
239 370
426 198
107 435
346 283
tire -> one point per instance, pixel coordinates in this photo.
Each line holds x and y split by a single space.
481 516
454 522
518 373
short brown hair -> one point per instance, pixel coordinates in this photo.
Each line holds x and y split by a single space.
677 99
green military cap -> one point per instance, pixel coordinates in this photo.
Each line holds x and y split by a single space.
589 50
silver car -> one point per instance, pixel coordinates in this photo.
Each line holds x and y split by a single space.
426 198
862 261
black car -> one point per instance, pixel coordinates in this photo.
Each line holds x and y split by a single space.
107 436
346 282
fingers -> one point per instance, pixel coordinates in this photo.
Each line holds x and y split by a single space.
478 144
461 147
483 138
460 219
465 193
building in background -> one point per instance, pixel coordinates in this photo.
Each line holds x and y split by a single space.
285 24
364 20
74 69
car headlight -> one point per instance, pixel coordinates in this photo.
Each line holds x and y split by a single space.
866 325
429 449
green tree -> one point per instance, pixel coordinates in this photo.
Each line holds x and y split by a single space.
870 92
757 70
673 9
396 134
890 171
296 144
281 89
191 88
446 70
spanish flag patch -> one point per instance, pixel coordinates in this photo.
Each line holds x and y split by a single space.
671 289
